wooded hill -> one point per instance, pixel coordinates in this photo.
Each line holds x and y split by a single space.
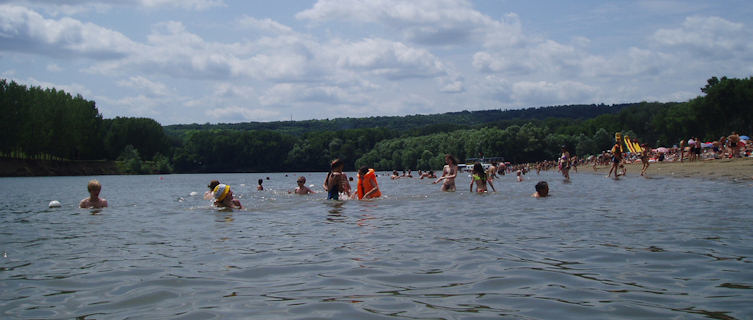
53 125
418 123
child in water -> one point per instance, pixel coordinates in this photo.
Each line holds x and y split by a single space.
93 201
260 187
480 177
210 194
302 188
336 181
367 184
223 197
542 190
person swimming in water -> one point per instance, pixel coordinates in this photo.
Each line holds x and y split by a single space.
367 184
260 187
336 181
209 194
480 178
542 190
223 197
449 173
302 188
93 201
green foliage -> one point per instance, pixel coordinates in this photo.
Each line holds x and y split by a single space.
53 124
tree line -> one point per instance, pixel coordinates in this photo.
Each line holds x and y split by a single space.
51 124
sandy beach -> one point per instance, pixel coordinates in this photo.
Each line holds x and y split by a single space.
728 169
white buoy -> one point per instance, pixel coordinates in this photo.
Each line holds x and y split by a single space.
55 204
194 193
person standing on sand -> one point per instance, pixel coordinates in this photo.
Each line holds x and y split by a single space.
449 173
93 201
644 159
616 160
682 149
734 145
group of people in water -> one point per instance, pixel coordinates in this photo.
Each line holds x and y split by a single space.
337 185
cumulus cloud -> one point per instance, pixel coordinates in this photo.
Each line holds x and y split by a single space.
708 37
185 4
143 84
24 30
241 114
386 58
72 7
264 25
428 22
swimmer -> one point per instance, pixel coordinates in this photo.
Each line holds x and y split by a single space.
260 187
492 172
223 197
480 177
395 175
367 184
93 201
209 194
336 181
449 173
542 190
302 188
520 175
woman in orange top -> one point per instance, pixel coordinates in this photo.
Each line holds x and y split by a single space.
367 184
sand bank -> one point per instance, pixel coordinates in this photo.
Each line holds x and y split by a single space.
727 169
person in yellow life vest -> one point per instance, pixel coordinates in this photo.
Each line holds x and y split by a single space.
367 184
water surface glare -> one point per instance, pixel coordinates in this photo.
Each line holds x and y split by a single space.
597 248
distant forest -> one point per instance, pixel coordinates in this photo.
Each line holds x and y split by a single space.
52 124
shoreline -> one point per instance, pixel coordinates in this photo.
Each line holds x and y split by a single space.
10 167
738 169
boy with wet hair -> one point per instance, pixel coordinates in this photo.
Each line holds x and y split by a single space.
542 190
93 201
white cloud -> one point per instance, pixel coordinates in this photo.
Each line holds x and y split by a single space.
54 68
24 30
185 4
240 114
428 22
143 84
73 7
386 58
264 25
549 93
708 37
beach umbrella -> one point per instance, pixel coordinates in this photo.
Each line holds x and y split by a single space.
744 138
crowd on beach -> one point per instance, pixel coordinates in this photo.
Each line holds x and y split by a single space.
337 183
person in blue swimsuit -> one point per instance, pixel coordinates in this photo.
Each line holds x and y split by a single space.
336 181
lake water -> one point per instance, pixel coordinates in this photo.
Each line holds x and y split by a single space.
597 248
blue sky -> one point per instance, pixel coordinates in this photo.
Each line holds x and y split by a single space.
197 61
